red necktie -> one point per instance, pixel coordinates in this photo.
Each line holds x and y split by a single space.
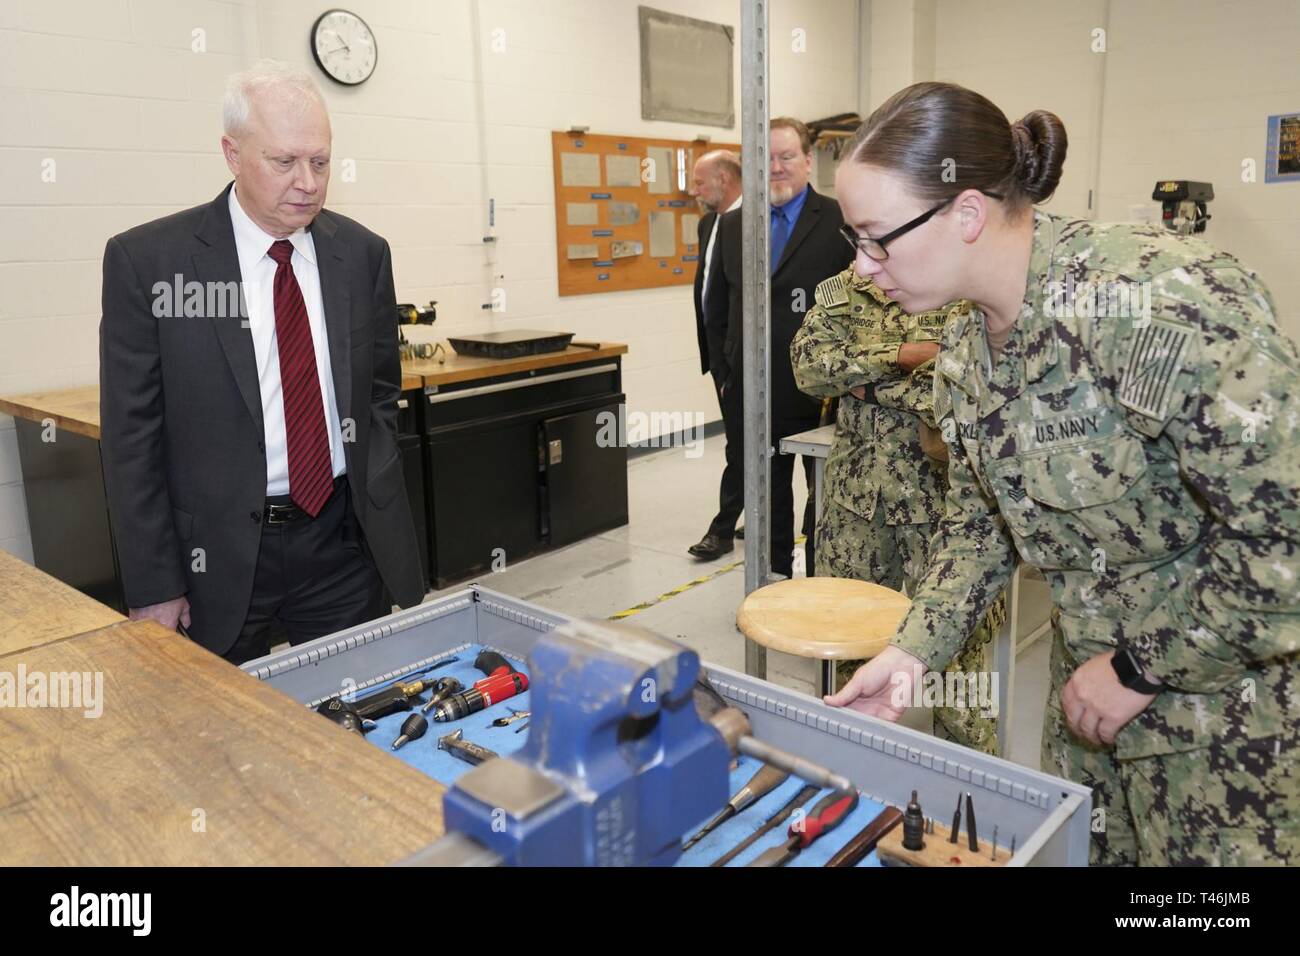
311 472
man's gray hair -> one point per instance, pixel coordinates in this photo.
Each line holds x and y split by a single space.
724 160
243 87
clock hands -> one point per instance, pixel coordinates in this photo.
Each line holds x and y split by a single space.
336 49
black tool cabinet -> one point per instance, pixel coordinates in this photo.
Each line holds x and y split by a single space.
513 465
67 511
498 467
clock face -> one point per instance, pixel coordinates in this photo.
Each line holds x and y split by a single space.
344 47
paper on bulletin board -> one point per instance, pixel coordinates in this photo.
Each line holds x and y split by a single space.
624 214
1282 151
584 251
690 228
580 169
581 214
622 170
662 178
663 234
623 248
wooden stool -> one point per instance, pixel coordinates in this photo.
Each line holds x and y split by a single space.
830 619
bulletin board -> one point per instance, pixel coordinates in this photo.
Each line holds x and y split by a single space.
622 222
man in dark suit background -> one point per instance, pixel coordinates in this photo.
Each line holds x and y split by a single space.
806 248
715 184
251 459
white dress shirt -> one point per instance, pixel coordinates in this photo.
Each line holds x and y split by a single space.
257 270
708 250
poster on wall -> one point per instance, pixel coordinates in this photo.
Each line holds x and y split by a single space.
1282 154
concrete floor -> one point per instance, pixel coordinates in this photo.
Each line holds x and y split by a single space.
671 499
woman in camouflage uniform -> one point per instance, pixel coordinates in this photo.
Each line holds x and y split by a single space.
1122 411
882 494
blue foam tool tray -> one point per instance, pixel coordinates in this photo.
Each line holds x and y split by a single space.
423 754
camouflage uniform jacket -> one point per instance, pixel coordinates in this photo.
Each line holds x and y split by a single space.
850 337
1149 466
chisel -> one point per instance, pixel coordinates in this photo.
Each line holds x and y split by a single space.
856 850
778 818
760 785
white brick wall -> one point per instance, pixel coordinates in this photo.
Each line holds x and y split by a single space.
110 90
1026 55
1198 107
1188 86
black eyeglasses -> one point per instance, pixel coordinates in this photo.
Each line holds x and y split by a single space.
875 248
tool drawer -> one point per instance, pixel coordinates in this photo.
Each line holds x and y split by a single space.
1048 817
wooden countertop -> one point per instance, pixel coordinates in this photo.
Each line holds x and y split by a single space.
77 409
36 609
193 762
460 368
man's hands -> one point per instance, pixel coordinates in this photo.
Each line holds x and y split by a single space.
1096 704
168 613
882 687
912 354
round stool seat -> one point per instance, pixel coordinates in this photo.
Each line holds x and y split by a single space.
823 618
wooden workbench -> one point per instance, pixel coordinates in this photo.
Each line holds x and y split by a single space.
194 762
36 609
77 409
66 499
462 368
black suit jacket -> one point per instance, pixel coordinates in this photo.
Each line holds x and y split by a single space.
181 415
814 252
714 323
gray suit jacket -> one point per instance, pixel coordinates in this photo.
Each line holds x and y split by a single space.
181 415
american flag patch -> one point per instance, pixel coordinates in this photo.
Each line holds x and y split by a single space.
1153 365
832 292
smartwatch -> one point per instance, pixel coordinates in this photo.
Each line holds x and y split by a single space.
1131 673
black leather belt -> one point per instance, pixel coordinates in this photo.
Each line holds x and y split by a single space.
282 510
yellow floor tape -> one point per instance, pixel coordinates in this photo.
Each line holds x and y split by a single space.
682 588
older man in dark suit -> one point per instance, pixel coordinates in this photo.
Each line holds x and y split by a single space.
249 440
806 247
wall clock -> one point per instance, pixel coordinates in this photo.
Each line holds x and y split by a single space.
344 47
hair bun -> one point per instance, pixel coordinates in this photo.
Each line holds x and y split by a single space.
1039 141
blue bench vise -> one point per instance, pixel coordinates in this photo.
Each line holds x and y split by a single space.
617 766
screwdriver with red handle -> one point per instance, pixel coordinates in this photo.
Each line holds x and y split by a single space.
501 683
828 813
